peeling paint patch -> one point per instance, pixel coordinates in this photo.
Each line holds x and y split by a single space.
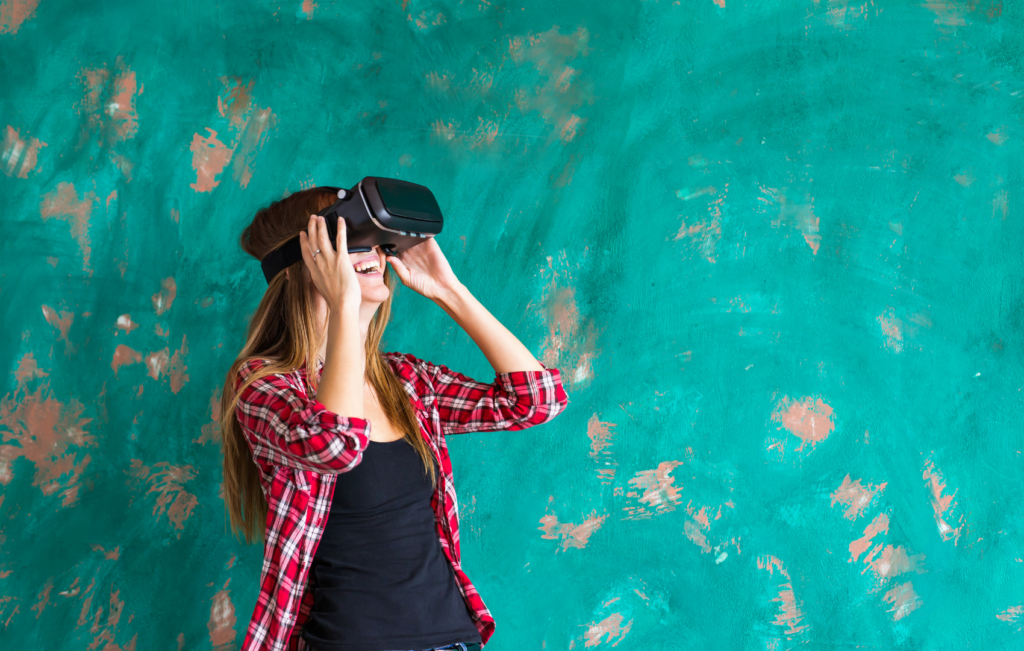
107 110
166 482
1012 616
222 618
655 492
248 126
903 599
855 497
571 535
13 13
600 435
62 323
807 418
19 156
942 505
608 629
790 613
64 203
124 355
164 299
211 430
879 525
209 156
892 328
571 341
704 232
42 429
799 215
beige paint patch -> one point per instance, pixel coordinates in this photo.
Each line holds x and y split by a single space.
222 618
166 482
164 299
997 137
654 492
608 629
63 324
903 599
107 108
211 430
807 418
248 127
209 156
790 613
571 535
891 562
123 355
13 13
892 328
571 341
106 634
1012 616
19 156
64 203
46 432
942 505
600 435
855 497
796 214
703 232
125 324
879 525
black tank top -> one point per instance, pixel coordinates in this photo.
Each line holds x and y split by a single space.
380 578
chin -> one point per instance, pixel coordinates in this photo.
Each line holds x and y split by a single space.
377 294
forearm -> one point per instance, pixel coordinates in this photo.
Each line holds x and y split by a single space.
501 348
341 383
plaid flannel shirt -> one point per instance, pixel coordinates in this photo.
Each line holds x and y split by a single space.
299 447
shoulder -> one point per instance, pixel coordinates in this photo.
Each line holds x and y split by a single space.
404 364
409 368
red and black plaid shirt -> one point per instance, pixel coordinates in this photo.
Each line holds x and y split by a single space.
299 447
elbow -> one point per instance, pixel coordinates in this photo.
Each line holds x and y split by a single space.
331 448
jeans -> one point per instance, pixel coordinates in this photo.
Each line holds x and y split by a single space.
457 646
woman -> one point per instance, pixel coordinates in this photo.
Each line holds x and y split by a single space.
344 472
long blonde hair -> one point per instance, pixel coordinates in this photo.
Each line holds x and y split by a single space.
284 331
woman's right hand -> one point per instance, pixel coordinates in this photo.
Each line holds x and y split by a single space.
332 272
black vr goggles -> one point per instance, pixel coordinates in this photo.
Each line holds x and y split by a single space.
394 214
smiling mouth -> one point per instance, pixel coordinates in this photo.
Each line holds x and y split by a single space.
372 268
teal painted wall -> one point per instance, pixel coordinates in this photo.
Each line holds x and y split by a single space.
775 248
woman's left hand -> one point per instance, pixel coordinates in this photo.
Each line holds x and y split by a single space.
425 269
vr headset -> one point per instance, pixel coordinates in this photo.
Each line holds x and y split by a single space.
396 215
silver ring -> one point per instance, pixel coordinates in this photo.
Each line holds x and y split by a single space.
314 255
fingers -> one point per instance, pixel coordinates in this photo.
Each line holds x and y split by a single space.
342 235
399 267
305 238
323 238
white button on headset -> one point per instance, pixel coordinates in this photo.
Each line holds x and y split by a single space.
342 194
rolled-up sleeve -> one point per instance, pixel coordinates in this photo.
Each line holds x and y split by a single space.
286 428
514 401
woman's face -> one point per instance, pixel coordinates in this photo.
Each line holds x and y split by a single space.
371 283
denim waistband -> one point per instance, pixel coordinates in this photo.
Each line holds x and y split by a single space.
462 646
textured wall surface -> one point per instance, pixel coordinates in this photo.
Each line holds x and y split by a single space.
774 246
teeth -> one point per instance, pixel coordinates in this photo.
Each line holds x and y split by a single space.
369 266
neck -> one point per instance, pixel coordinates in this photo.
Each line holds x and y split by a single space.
366 312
